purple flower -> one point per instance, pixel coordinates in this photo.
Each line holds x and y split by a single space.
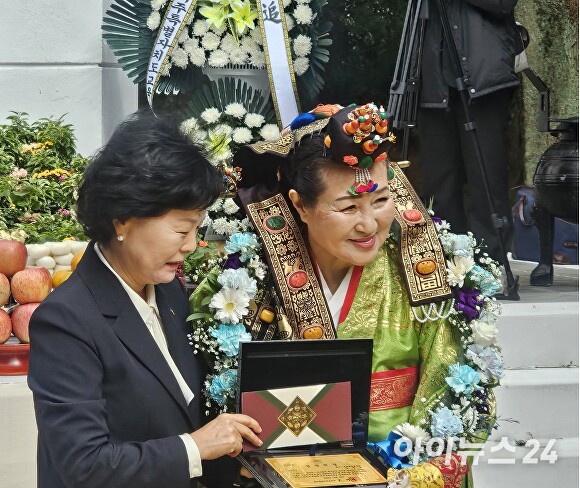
466 301
436 220
233 261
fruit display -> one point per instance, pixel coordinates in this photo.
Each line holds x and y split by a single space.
28 273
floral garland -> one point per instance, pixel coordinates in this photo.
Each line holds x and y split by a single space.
223 298
461 412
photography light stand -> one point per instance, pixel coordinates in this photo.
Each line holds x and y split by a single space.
403 104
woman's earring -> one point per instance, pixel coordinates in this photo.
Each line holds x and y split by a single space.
120 238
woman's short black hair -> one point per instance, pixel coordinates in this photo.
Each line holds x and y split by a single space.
145 170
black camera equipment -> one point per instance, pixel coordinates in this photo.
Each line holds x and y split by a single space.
404 97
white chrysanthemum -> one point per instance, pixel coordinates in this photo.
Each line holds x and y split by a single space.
289 22
238 56
302 45
301 66
200 28
302 1
197 56
228 43
245 225
413 433
165 69
230 206
219 30
217 206
223 129
258 59
210 41
303 14
254 120
457 269
249 44
211 115
206 221
179 58
184 36
197 136
242 135
235 110
286 3
154 20
270 132
219 225
218 58
157 4
230 228
256 34
190 45
188 125
221 156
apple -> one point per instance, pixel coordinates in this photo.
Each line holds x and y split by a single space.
4 290
5 326
13 256
21 320
31 285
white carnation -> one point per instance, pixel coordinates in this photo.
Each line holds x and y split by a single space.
303 14
254 120
218 58
179 58
200 28
210 41
301 66
235 110
302 45
211 115
258 59
154 20
228 43
230 206
242 135
188 125
197 56
238 56
157 4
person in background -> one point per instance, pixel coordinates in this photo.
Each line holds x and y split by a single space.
483 31
117 390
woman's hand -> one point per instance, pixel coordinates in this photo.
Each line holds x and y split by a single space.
225 434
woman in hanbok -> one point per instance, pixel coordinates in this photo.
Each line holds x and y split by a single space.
324 201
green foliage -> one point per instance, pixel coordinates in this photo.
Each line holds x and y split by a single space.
39 174
199 263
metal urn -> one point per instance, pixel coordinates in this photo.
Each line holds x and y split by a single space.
556 189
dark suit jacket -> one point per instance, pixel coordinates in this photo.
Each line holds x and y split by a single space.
108 408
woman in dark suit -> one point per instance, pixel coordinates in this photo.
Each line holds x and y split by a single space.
117 390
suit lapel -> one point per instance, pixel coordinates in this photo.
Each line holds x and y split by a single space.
127 323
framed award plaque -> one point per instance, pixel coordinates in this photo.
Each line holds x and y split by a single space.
311 398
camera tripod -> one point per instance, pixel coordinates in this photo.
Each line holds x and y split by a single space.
404 101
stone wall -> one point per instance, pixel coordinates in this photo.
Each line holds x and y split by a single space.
53 62
553 55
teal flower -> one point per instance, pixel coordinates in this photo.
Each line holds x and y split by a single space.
488 360
483 280
463 379
457 244
229 337
243 242
223 386
444 423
